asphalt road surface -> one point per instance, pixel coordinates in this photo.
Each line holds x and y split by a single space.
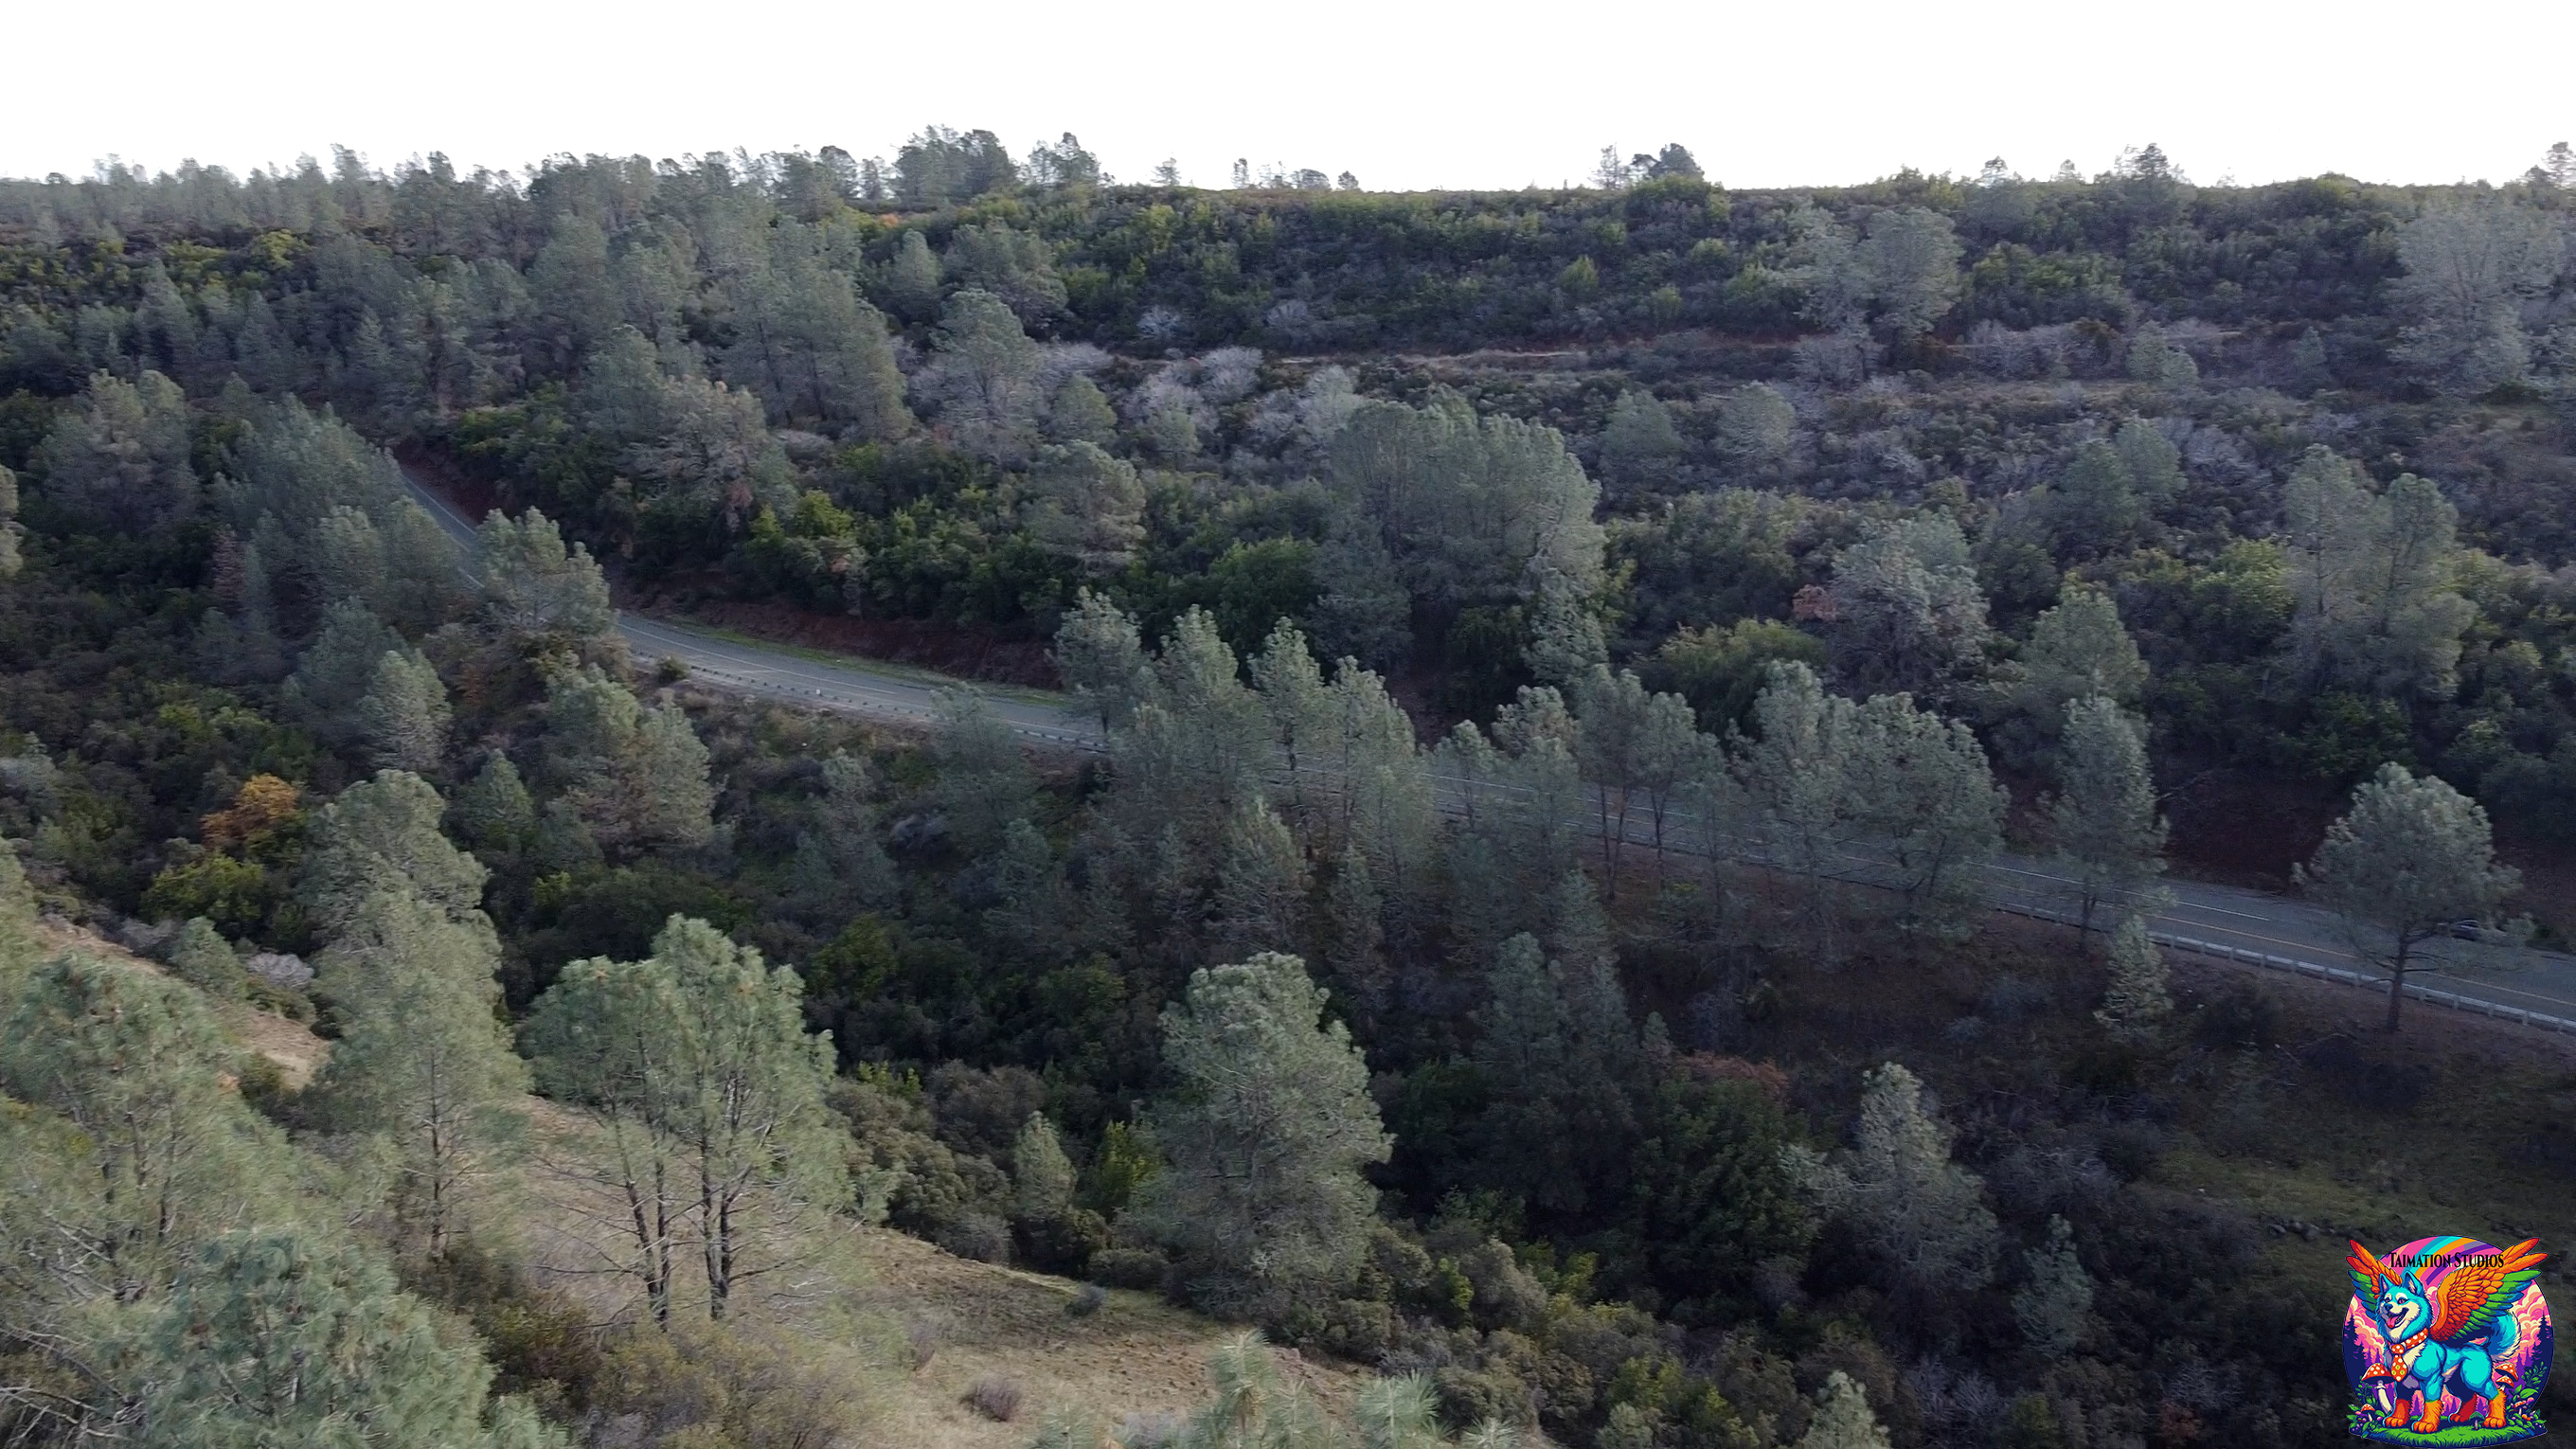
824 681
2226 922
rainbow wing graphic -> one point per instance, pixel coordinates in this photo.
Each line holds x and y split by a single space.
2473 1294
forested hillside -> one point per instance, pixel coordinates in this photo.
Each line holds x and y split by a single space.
1444 572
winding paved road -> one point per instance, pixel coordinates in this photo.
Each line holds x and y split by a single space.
2224 922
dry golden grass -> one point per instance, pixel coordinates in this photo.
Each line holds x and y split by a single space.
862 1296
1138 1354
288 1043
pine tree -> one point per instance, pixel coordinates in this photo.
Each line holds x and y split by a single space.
840 864
119 463
1355 955
2469 267
1398 1412
1898 1188
806 344
270 1338
1911 259
636 776
335 672
494 813
1757 426
1035 913
1843 1419
537 594
1563 1066
747 1102
2159 363
403 718
204 959
1922 796
2077 649
1041 1175
1099 657
2103 825
913 283
2054 1305
1266 1131
1636 749
1565 635
2094 505
1466 507
159 1157
1081 413
11 530
2310 362
983 376
1909 615
1085 505
2154 463
1199 749
2412 858
622 393
1260 884
348 558
603 1041
421 1062
984 778
2371 581
380 836
1640 449
2138 1003
1796 792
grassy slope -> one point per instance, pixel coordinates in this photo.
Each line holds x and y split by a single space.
870 1289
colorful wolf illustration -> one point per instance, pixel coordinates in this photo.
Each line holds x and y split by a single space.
2456 1339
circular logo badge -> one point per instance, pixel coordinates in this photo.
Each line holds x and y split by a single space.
2447 1341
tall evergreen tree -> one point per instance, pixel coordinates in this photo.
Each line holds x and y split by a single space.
2371 581
1843 1419
1563 1068
1085 505
382 836
1080 413
983 376
1898 1188
2077 649
2054 1305
2409 861
404 715
119 463
913 281
335 672
2103 826
538 594
421 1062
271 1338
637 776
1260 884
157 1157
1266 1131
2139 1002
746 1101
840 865
984 778
494 814
1641 451
603 1041
1100 658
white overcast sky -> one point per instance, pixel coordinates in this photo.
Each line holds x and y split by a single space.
1405 93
